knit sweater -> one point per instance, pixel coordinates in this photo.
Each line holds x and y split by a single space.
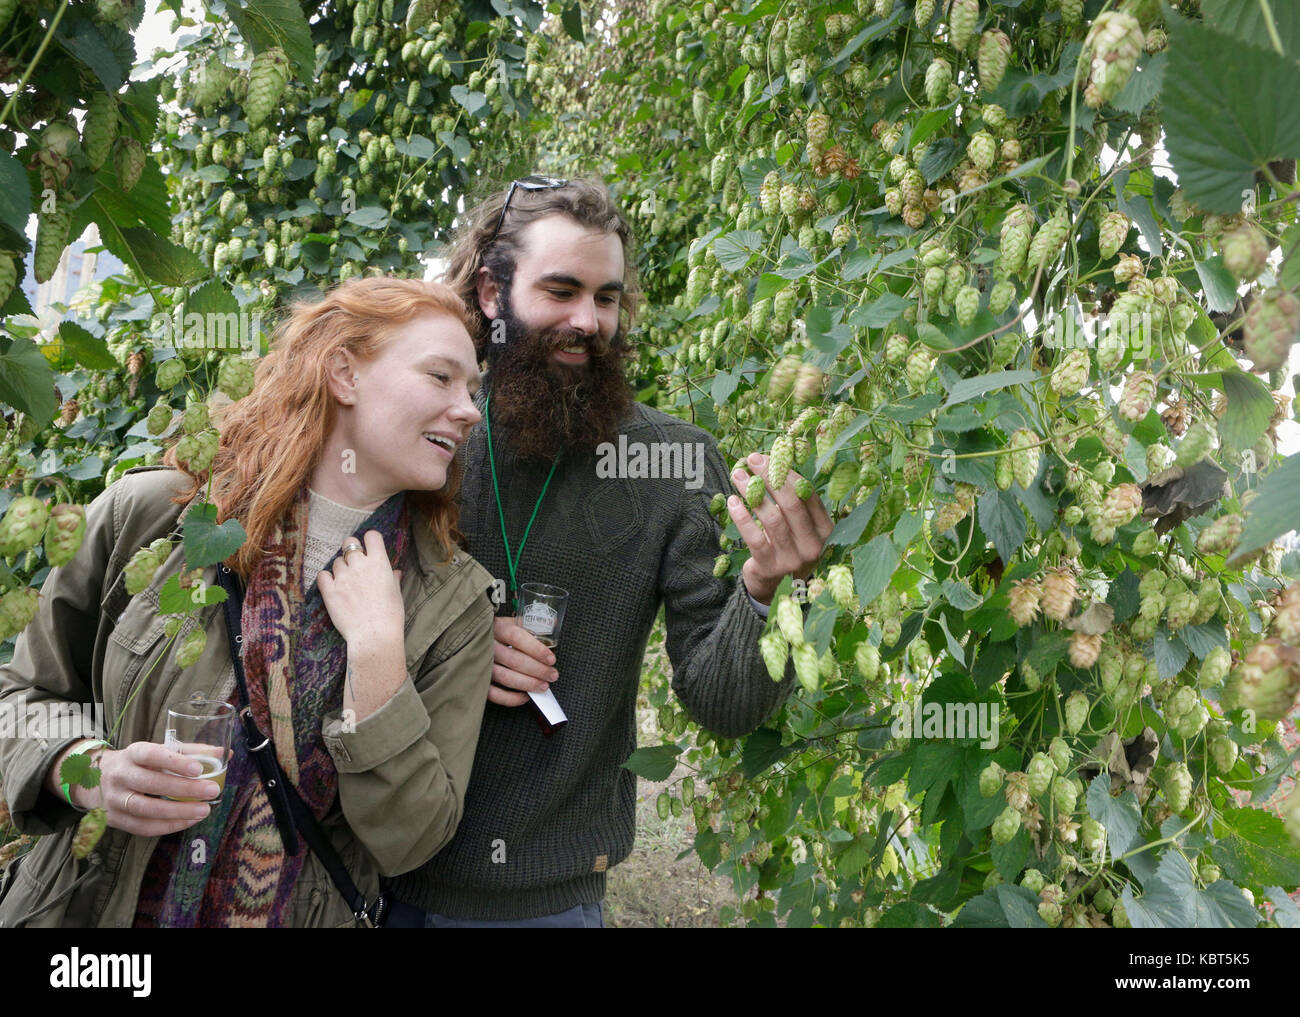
328 525
545 816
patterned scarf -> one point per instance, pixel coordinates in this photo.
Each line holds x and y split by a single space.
294 662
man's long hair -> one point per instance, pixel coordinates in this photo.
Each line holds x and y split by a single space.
586 202
273 438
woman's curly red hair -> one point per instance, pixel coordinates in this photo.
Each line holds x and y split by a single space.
272 439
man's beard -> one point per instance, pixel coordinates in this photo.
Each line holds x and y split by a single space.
548 407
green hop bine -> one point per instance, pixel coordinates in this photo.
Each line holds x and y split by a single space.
64 533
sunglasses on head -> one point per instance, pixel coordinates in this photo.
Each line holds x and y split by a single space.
533 182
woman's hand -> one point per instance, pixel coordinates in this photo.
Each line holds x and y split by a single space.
130 777
363 596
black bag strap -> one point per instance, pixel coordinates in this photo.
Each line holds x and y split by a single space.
292 816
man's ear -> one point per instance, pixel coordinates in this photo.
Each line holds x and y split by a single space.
340 375
487 292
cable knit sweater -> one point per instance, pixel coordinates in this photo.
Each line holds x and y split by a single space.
546 816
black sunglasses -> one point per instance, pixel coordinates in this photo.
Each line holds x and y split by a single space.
533 182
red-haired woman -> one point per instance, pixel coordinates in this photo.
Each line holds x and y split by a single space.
368 670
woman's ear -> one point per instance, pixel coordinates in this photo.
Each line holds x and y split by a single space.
487 292
342 377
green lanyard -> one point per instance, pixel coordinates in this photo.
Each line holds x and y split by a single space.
511 563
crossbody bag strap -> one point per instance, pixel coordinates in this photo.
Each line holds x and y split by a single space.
292 816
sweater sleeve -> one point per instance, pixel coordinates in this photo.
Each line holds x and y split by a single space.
713 627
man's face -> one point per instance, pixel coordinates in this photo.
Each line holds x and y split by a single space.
569 278
557 378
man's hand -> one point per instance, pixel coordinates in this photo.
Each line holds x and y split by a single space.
519 663
793 534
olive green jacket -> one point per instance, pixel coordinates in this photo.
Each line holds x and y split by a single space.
402 771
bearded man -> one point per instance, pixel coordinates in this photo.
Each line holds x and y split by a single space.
546 270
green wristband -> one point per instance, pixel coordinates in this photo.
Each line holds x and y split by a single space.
88 743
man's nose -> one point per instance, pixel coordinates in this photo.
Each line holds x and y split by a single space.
583 317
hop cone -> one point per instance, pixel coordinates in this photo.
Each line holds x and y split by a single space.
842 481
266 80
938 76
967 305
1138 396
781 378
754 490
919 365
778 463
169 374
1122 504
991 780
994 50
191 648
1223 753
867 658
89 830
1003 473
1024 456
774 650
1084 649
17 609
99 129
840 581
1221 535
1000 297
982 150
1245 252
64 533
8 276
1059 590
128 161
51 239
1071 374
1040 772
1006 825
1177 787
22 525
1047 242
1196 443
1266 681
1023 601
789 619
1014 250
1112 233
1271 326
807 385
1076 710
139 571
160 417
962 18
1116 42
807 667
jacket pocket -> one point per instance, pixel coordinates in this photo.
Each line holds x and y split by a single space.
132 645
48 888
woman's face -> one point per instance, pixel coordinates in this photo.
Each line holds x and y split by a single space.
412 406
